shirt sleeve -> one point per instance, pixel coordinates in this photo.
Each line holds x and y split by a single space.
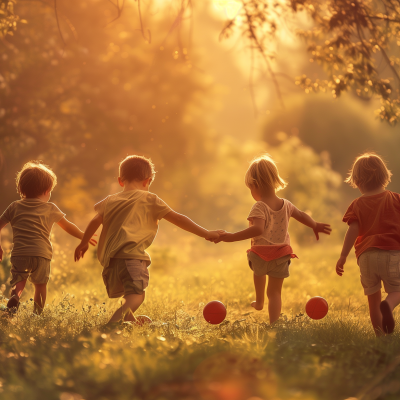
160 208
100 207
56 213
6 216
258 211
350 215
290 208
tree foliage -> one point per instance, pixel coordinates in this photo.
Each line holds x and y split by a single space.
355 41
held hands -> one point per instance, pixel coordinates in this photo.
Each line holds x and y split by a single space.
340 265
212 235
220 238
321 228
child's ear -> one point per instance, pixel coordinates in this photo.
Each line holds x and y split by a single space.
121 183
147 182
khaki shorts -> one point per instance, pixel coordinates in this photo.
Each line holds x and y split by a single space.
278 268
123 277
37 269
378 265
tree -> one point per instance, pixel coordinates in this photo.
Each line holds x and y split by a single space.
84 107
355 41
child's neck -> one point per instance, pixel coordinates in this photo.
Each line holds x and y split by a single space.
134 186
372 192
270 198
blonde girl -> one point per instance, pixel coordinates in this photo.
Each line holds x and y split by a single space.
270 253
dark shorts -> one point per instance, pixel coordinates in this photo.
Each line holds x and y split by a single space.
278 268
123 277
37 269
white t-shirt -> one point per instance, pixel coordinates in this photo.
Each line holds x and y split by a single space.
276 223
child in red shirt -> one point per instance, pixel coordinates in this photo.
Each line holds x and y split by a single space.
374 230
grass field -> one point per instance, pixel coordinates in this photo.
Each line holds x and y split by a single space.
63 355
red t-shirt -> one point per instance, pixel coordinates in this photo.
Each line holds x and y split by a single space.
378 217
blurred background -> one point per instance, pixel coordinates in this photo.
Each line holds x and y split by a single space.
173 91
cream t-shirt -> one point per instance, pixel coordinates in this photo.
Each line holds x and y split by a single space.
276 223
32 221
130 224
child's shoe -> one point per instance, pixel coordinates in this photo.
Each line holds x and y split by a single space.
13 304
142 320
387 317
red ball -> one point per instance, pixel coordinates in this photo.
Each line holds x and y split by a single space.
214 312
317 307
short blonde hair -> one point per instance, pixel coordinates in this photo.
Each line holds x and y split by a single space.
136 168
264 174
369 172
35 179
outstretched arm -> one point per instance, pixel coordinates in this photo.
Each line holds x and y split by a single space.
351 236
73 230
2 225
306 220
252 231
185 223
89 232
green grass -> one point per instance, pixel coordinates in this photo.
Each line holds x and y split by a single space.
63 355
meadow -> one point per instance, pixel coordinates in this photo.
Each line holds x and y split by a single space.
64 355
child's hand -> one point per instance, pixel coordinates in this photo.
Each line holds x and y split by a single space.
212 236
223 237
340 265
80 251
323 228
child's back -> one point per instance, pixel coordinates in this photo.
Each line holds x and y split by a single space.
32 221
378 218
130 224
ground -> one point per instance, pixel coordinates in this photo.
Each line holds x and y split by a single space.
63 354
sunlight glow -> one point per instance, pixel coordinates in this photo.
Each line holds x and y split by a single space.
227 8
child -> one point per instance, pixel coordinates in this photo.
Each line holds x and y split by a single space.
32 219
130 223
374 230
270 252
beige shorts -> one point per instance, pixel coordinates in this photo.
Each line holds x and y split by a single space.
123 277
37 269
278 268
378 266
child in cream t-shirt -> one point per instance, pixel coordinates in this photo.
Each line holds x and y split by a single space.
130 224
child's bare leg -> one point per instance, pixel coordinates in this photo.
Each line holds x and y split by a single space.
129 315
39 298
374 302
393 299
16 294
274 291
130 302
259 285
386 308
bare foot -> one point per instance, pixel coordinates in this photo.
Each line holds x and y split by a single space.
257 306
